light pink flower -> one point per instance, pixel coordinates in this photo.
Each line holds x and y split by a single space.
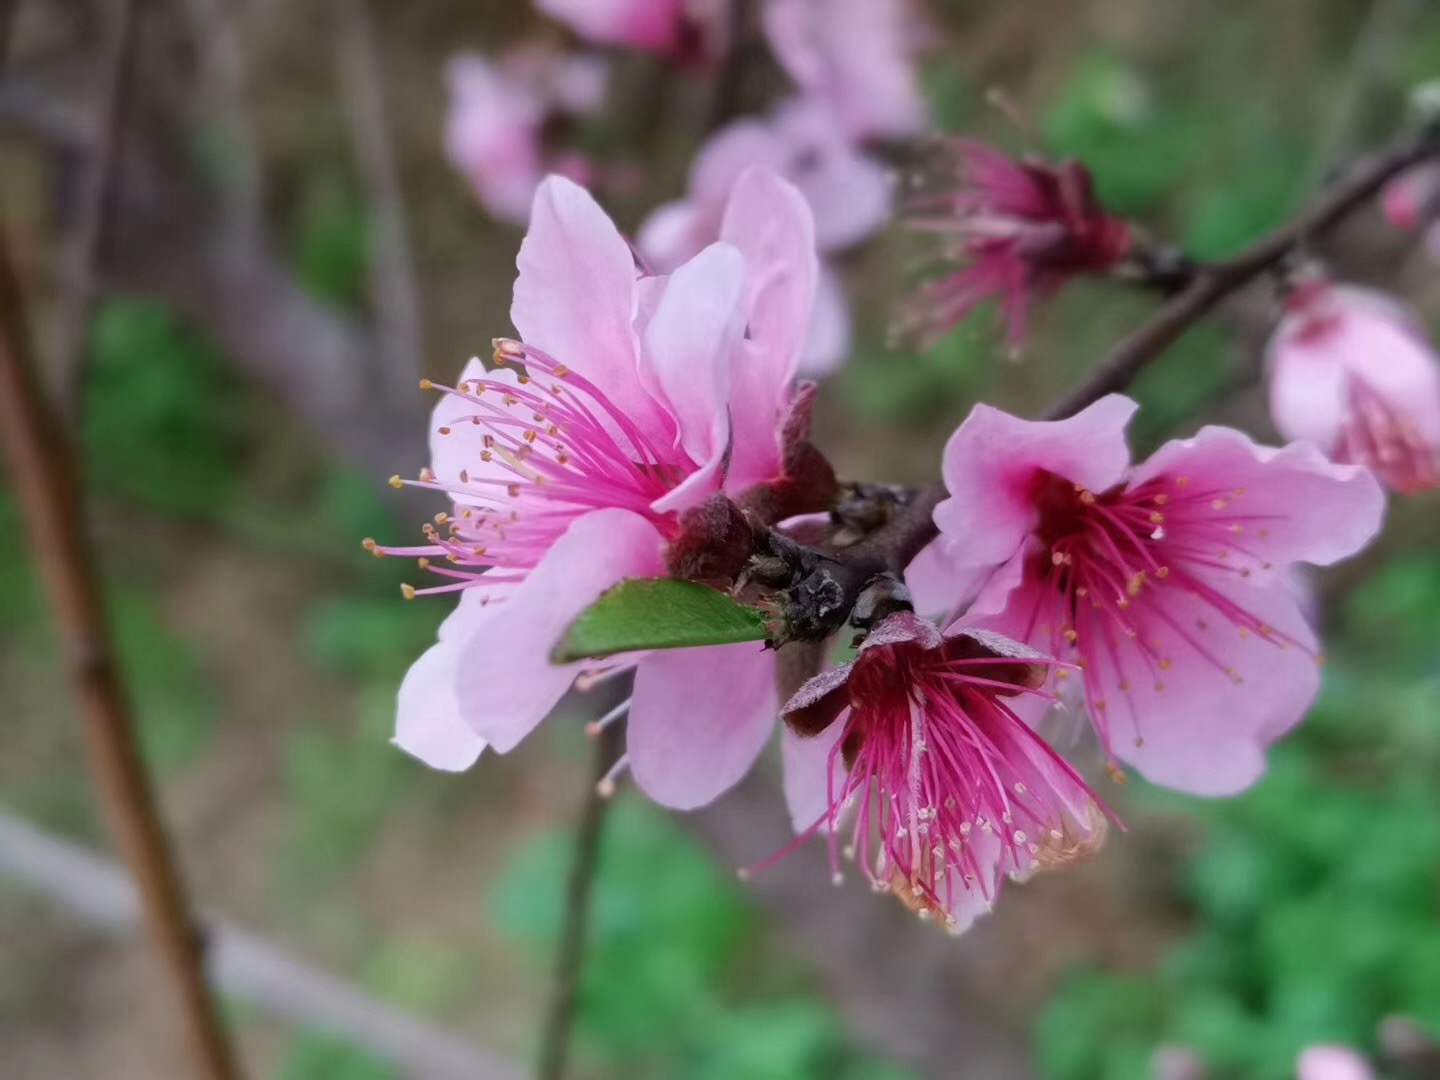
628 401
855 55
849 195
1165 582
1020 230
952 791
1332 1063
686 30
496 119
1351 371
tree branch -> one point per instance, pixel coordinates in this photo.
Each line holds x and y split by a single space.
570 957
1209 284
43 472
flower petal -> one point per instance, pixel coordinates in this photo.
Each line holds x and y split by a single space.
575 298
1190 725
698 720
769 221
807 787
991 462
827 342
428 725
507 684
1293 504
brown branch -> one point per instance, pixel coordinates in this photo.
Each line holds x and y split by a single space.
98 203
1210 284
570 957
43 471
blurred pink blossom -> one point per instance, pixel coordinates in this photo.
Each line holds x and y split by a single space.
952 790
498 112
1019 230
1351 371
1164 582
687 30
855 55
628 401
848 192
1332 1063
1413 198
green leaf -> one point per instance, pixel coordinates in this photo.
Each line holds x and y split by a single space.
657 613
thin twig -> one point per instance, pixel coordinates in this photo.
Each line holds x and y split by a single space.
392 270
1214 282
570 959
43 472
98 203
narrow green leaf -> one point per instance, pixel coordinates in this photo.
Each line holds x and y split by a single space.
657 613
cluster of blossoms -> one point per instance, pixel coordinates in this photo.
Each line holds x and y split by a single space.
649 425
851 65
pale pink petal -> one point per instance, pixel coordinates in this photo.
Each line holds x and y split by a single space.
856 54
575 298
1309 391
428 724
808 789
736 147
849 193
689 345
673 233
1332 1063
827 343
507 684
939 582
492 135
1191 725
768 220
1290 504
698 720
993 459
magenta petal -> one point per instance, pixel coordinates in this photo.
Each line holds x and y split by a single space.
575 298
428 725
1289 504
698 720
992 460
507 684
1192 726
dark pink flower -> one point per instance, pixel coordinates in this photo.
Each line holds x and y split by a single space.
627 402
1412 199
685 30
1165 583
857 56
1352 371
951 791
1021 230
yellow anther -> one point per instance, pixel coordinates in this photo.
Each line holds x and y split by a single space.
426 384
407 591
396 482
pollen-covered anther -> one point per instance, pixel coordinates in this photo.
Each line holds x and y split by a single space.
426 384
407 591
396 482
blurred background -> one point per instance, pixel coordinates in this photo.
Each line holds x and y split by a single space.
244 389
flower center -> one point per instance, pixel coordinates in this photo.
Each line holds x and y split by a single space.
541 447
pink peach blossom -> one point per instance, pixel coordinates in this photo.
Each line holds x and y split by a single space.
849 195
497 115
1412 199
627 401
1351 371
1164 582
687 30
1332 1063
952 791
1019 230
855 55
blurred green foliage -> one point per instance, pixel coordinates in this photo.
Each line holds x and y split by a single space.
671 962
1315 896
316 1056
163 422
329 241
